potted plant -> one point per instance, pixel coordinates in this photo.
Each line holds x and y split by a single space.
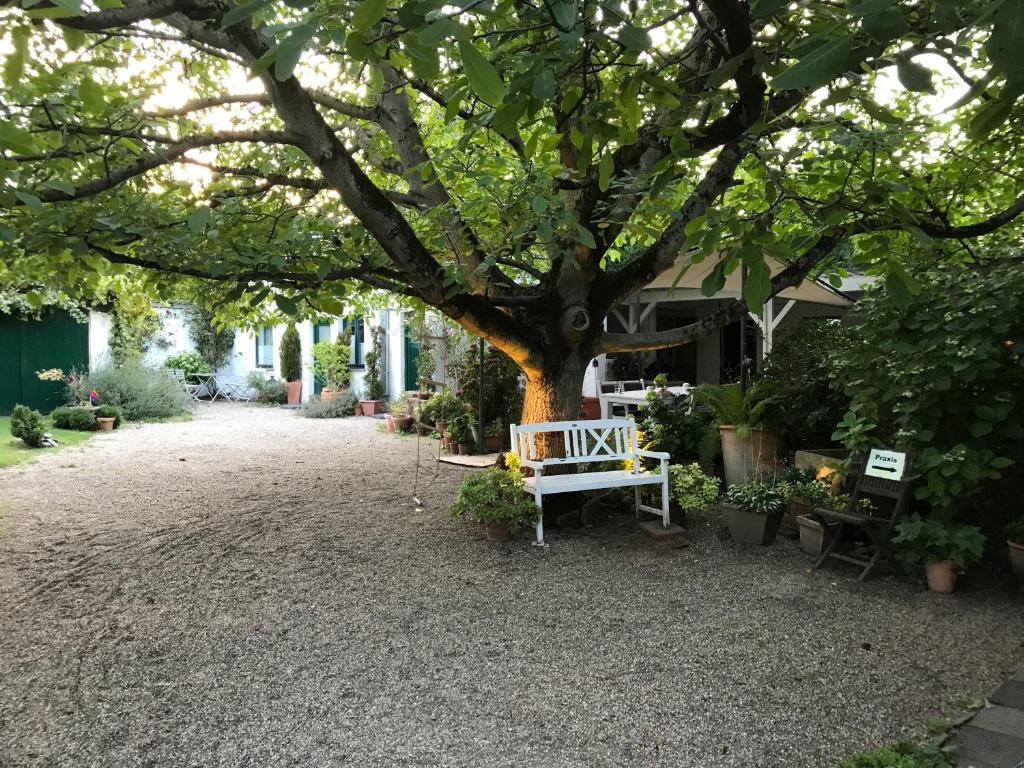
661 383
803 491
754 511
496 498
331 364
108 417
493 437
944 548
373 395
689 489
461 433
1015 543
291 363
400 416
748 446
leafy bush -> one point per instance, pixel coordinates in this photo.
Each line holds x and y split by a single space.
213 344
134 325
690 488
267 389
667 426
28 425
755 409
142 394
897 756
929 539
443 405
189 363
331 362
461 428
71 417
342 404
759 498
374 371
503 393
495 496
109 411
1015 531
626 365
291 354
939 374
810 405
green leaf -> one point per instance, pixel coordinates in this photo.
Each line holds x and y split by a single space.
543 85
759 9
634 38
715 281
15 139
287 305
878 112
426 62
199 219
242 12
1006 43
605 168
14 66
482 76
289 51
586 236
91 95
758 285
914 77
369 13
988 118
33 202
539 204
817 67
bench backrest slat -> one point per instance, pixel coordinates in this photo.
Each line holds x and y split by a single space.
582 441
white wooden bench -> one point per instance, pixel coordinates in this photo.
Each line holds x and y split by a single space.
587 442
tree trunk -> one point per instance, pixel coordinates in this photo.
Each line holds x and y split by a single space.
554 394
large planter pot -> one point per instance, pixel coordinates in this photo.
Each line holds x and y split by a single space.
371 407
441 425
750 527
326 394
496 531
466 449
294 392
493 443
812 535
941 576
1016 558
677 515
745 458
590 407
105 423
402 421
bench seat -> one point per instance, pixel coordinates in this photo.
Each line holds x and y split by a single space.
616 478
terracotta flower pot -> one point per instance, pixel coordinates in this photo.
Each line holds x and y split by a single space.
359 409
745 458
497 531
1016 558
941 576
590 407
294 392
465 449
492 443
389 422
106 423
441 425
326 394
402 421
371 407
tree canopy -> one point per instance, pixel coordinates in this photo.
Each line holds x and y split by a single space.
523 166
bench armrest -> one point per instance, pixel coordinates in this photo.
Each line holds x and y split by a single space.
663 455
534 465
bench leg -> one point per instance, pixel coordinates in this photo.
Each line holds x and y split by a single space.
666 517
538 498
636 500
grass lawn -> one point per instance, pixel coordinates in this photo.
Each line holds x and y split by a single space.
13 451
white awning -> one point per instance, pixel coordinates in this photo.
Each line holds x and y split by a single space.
688 286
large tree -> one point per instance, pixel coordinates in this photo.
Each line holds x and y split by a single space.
523 166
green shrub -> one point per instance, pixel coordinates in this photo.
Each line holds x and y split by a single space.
142 394
926 539
758 498
503 392
897 756
213 344
667 426
267 389
1015 531
441 406
28 425
374 389
291 354
71 417
797 370
342 404
109 411
189 363
331 362
690 488
757 408
495 496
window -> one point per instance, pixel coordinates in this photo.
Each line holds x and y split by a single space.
355 325
321 332
265 347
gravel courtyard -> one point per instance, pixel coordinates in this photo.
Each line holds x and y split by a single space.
253 588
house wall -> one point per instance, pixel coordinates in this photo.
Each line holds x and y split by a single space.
100 324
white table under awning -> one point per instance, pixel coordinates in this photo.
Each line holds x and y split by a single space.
635 397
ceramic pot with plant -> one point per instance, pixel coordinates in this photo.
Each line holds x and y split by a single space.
291 363
496 498
375 392
1015 543
804 493
400 416
493 437
749 446
462 434
689 490
754 511
389 422
331 364
108 417
945 548
661 384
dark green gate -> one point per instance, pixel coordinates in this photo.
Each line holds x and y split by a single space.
56 340
412 362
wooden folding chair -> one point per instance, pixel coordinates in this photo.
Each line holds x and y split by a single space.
885 480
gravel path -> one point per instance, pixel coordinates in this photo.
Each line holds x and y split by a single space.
257 589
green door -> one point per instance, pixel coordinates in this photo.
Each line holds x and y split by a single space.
56 340
412 362
321 332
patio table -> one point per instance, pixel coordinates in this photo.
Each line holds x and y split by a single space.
209 382
636 397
